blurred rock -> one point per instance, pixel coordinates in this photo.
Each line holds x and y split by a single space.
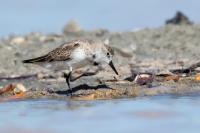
144 79
12 89
179 19
19 88
100 32
18 40
71 27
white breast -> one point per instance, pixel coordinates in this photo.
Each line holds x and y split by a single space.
79 59
78 55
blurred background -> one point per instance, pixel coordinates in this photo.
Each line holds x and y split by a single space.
23 16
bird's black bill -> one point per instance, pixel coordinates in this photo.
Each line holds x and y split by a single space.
113 67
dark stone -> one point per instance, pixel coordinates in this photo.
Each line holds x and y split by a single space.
179 19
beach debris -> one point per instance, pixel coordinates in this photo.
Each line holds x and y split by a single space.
175 78
179 19
144 78
140 77
13 91
198 77
167 76
20 95
7 89
19 88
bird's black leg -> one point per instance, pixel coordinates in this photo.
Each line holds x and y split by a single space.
68 77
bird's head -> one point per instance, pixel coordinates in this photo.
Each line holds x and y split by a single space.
104 55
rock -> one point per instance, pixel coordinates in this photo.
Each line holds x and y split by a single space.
13 89
164 73
19 88
18 40
144 78
71 27
100 32
179 19
127 53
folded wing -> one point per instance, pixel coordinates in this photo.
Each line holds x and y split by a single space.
61 53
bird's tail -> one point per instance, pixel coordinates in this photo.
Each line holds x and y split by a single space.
38 59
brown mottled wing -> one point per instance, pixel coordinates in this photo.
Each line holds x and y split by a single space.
61 53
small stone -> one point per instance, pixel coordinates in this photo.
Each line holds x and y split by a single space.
18 40
71 27
143 79
100 32
179 19
19 88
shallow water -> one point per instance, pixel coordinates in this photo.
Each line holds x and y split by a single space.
152 114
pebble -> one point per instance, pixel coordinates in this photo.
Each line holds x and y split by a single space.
18 40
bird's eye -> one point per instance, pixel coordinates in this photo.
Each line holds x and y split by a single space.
108 54
94 56
95 64
76 44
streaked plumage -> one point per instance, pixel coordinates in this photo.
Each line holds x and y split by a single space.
76 54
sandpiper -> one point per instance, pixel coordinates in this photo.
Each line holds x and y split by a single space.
76 54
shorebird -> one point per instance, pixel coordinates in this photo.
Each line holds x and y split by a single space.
76 54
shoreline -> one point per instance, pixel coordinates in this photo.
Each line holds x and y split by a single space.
149 50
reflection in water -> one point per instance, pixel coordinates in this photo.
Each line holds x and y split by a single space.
152 114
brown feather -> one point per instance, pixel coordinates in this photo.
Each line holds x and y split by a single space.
61 53
38 59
